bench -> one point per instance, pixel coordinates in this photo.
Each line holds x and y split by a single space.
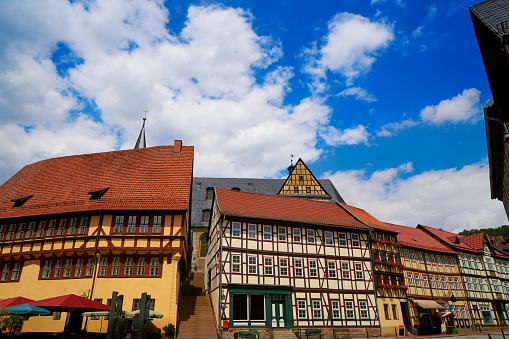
248 334
314 333
341 333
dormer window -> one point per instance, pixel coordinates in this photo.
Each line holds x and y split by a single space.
19 202
96 195
236 189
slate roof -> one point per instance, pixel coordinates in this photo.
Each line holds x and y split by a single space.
151 178
260 206
494 14
261 186
414 237
367 218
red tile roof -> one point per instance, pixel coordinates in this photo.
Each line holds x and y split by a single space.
476 241
450 239
414 237
150 178
367 218
500 246
243 204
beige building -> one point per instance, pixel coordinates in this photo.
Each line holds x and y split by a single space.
97 223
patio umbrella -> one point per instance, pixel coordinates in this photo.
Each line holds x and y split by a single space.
27 310
96 314
15 301
71 303
151 314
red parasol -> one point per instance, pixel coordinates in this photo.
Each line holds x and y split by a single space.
15 301
70 303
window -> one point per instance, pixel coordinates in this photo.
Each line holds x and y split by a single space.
251 231
2 231
317 309
297 263
355 240
119 224
301 309
57 315
46 269
363 308
308 190
268 265
281 233
209 194
156 224
331 265
283 267
236 229
328 238
433 259
144 224
21 230
345 270
205 215
61 227
412 255
426 256
359 273
425 279
204 245
128 266
115 266
31 229
83 226
421 258
131 224
342 239
58 268
140 271
313 268
154 267
90 267
350 312
296 235
386 312
439 284
457 283
252 264
405 253
136 304
236 263
103 266
444 283
78 268
267 232
5 271
432 281
310 237
410 279
451 261
15 271
72 226
417 280
486 314
394 312
51 228
296 189
336 310
68 267
10 234
40 229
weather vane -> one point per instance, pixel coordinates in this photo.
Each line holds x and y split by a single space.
291 159
145 111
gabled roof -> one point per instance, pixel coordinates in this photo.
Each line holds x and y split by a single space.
259 206
414 237
151 178
367 218
309 180
450 239
494 14
476 241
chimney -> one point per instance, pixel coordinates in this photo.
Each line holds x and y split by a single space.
177 147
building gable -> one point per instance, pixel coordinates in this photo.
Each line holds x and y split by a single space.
302 183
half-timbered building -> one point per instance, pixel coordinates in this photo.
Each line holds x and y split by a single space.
279 262
390 285
97 223
437 299
486 295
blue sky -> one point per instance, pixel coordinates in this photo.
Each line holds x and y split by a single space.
383 97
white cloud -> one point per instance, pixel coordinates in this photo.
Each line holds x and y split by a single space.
452 199
393 128
464 107
430 15
350 49
359 93
199 86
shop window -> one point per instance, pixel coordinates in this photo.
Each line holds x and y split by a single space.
239 306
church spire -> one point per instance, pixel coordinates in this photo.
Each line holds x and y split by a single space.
140 143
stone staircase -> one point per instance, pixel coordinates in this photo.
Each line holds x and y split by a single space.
195 319
283 334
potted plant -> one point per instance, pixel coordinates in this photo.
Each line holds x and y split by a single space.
169 331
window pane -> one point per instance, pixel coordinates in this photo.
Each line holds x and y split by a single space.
257 309
239 306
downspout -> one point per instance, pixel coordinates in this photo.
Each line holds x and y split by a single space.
99 228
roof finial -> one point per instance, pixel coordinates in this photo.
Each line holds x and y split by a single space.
140 143
291 167
291 160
